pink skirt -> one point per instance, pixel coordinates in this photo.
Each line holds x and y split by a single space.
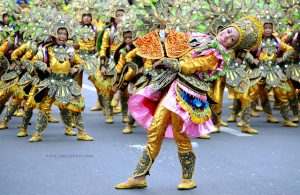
142 106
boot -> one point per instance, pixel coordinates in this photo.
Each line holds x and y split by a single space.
70 132
223 123
295 109
248 129
68 121
231 119
117 110
4 125
41 125
108 111
289 124
245 117
284 110
187 161
204 137
22 133
127 129
253 113
271 119
9 113
240 123
97 107
26 118
19 113
235 110
51 119
116 99
100 103
124 107
36 137
141 170
82 134
296 119
131 184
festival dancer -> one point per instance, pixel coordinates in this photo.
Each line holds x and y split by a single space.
59 60
178 97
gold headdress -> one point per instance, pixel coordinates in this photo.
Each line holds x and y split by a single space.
155 11
250 30
9 7
32 23
130 22
115 5
269 12
179 15
292 10
58 20
86 7
184 15
218 14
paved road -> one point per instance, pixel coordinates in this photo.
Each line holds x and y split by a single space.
229 163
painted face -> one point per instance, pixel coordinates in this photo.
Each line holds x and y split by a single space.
86 19
128 38
62 36
228 37
268 29
119 15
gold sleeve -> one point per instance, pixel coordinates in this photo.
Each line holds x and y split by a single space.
77 61
105 44
288 51
284 38
200 64
147 64
4 48
130 74
17 53
28 55
35 58
121 63
131 55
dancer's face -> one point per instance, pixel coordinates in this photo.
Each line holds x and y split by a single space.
62 36
228 37
268 29
5 19
119 15
86 19
128 38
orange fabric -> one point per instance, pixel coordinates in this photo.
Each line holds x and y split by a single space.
150 46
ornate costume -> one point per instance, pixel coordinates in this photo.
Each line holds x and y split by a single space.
270 71
59 87
177 102
109 46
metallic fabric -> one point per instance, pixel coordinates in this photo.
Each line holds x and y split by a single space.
26 118
42 122
144 164
187 161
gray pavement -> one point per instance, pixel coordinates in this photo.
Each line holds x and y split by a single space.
267 163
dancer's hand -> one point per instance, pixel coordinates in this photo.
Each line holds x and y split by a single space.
103 71
73 70
279 60
12 66
256 61
49 70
